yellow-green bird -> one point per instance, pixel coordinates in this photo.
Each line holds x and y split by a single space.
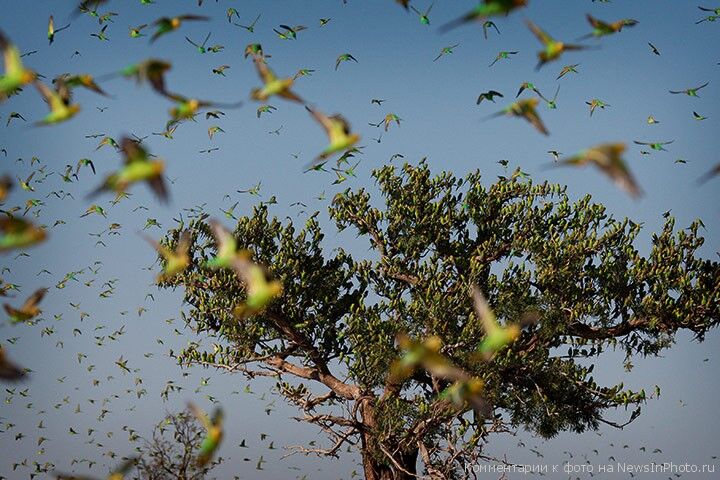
28 310
254 49
337 130
553 48
526 109
166 25
496 337
601 28
259 290
117 474
136 32
175 260
16 75
487 8
186 108
213 433
8 370
608 158
273 85
19 233
69 82
60 109
151 70
52 31
139 167
423 354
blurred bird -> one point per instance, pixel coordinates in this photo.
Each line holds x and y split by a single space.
213 433
28 310
8 370
273 85
553 48
16 75
526 109
175 260
338 132
60 110
166 25
496 337
19 233
259 290
487 8
138 167
600 28
608 158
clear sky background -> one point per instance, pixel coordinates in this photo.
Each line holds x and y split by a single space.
436 101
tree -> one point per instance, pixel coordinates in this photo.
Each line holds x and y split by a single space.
171 453
330 339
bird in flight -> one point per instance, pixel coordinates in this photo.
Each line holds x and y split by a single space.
553 48
487 8
691 92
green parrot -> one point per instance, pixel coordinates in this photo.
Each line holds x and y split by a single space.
186 108
337 130
527 85
52 31
596 103
467 392
496 337
166 25
259 291
489 95
426 355
273 85
250 28
658 146
200 48
345 57
29 309
213 433
138 167
254 49
446 51
19 233
60 110
608 158
501 56
424 19
175 260
552 104
691 92
117 474
553 48
600 28
136 32
16 75
488 8
568 69
151 70
526 109
8 370
486 26
699 117
265 109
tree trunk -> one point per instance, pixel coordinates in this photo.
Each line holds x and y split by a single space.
404 466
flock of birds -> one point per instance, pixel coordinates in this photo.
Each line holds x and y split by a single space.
17 232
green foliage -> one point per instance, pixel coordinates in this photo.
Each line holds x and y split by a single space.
527 246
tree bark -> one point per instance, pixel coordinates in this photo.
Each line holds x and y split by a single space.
376 464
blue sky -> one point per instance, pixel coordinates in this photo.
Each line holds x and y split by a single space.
440 120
